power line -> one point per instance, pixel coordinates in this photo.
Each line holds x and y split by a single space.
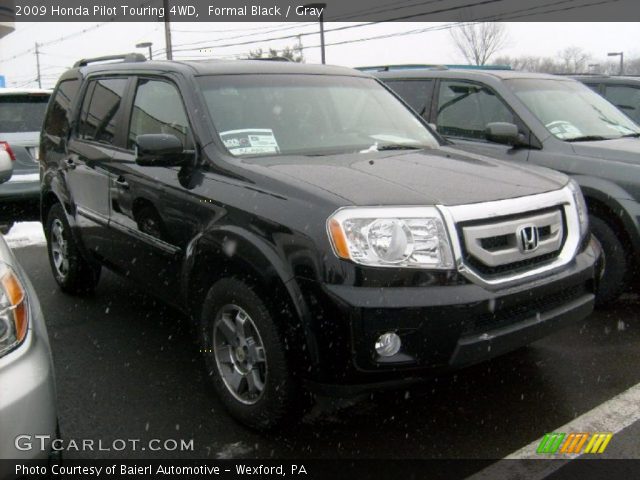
347 27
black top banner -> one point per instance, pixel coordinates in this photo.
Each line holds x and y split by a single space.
327 10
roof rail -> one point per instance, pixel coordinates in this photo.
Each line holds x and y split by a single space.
272 59
126 57
387 68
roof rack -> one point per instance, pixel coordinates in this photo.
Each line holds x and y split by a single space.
272 59
126 57
387 68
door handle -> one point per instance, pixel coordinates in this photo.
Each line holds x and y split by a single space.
69 164
122 183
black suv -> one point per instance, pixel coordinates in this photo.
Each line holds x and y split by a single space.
550 121
319 234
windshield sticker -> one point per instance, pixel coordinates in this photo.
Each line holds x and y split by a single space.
250 141
562 129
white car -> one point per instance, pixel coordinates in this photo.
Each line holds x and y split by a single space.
27 388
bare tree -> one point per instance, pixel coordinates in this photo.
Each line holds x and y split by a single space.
574 60
291 53
479 41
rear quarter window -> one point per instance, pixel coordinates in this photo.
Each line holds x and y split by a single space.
22 112
59 114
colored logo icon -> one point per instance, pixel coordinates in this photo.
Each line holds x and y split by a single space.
561 443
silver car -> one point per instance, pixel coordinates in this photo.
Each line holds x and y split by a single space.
21 116
27 389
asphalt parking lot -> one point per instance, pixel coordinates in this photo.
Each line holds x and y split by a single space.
127 367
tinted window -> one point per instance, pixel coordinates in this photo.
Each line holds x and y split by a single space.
593 86
626 99
100 109
22 113
417 93
465 109
59 116
158 108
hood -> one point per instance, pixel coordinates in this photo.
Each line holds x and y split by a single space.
625 150
427 177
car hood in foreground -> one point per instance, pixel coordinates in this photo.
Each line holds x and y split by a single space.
426 177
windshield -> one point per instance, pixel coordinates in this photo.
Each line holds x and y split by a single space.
309 115
572 111
22 113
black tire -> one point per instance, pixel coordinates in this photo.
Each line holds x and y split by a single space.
616 266
77 276
279 401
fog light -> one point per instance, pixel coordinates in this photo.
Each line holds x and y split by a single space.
388 344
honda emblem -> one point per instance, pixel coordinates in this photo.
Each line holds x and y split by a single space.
528 239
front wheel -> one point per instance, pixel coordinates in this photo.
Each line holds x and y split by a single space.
245 356
614 276
73 273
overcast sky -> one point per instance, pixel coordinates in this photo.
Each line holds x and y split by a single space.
433 46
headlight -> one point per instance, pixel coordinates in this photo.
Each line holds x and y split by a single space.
391 237
581 206
13 310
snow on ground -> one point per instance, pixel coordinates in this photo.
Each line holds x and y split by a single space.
23 234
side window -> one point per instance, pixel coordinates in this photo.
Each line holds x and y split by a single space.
101 108
417 93
594 86
465 109
59 114
158 108
626 99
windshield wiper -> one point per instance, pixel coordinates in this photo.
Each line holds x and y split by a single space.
587 138
631 135
397 146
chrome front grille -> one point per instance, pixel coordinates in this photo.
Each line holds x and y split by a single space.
497 243
489 245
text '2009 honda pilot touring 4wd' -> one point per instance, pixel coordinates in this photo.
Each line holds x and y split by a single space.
321 236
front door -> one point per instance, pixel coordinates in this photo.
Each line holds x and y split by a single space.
463 111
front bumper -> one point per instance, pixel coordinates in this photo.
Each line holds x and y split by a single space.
27 390
441 327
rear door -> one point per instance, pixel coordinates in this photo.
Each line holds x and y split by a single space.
21 118
90 147
462 113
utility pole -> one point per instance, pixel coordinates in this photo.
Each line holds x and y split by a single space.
321 7
38 66
167 30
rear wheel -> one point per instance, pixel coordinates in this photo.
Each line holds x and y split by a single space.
615 262
73 273
245 356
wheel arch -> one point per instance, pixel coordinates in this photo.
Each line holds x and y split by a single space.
234 252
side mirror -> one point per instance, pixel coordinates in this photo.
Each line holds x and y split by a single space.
6 166
504 133
159 150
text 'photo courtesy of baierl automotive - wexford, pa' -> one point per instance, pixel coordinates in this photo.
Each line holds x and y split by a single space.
363 239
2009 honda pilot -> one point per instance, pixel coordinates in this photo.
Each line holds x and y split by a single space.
321 236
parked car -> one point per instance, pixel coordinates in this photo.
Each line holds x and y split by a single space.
550 121
6 166
27 390
21 117
622 91
316 230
